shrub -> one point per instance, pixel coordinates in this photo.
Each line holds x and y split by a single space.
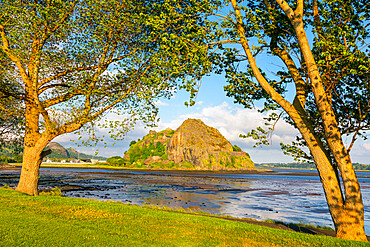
236 148
54 192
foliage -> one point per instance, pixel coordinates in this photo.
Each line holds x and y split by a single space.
53 192
10 155
286 165
137 153
11 111
236 148
117 161
145 148
132 143
359 166
4 159
93 57
6 186
96 65
58 153
320 80
341 52
160 149
302 165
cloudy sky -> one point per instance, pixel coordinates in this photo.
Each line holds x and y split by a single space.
218 111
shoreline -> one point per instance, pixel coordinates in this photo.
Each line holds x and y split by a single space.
289 227
76 218
106 167
260 171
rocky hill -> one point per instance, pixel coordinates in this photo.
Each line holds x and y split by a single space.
193 145
59 152
205 147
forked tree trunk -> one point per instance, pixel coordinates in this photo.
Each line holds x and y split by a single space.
34 144
32 158
346 209
347 214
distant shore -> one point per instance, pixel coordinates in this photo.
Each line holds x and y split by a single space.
194 171
99 166
108 167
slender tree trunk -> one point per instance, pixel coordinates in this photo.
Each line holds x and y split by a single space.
346 210
347 215
349 220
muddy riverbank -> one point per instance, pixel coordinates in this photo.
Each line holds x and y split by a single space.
282 195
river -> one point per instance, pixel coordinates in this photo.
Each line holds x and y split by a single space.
282 195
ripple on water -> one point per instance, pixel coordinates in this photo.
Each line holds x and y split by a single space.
286 197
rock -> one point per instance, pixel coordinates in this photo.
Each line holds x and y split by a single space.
163 140
204 146
153 159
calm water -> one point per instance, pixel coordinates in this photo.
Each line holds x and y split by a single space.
284 195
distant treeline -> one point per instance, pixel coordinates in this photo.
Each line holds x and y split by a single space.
356 166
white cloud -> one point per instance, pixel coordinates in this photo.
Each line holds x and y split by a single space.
231 121
160 103
366 146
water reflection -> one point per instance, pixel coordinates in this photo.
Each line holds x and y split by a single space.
286 195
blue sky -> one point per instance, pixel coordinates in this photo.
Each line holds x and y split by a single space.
216 110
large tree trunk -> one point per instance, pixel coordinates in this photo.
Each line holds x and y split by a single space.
34 144
32 158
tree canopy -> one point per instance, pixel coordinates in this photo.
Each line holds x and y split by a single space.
341 51
318 75
11 113
74 61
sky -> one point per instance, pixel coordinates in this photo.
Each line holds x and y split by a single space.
218 111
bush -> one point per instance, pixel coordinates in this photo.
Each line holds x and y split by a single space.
115 161
236 148
54 192
164 157
132 143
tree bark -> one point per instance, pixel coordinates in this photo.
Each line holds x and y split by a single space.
346 210
34 144
32 158
349 220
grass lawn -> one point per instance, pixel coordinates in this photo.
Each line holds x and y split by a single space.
61 221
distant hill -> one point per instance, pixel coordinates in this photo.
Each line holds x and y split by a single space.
193 145
59 152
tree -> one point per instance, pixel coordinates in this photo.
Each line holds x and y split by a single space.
74 61
160 149
11 123
321 48
11 110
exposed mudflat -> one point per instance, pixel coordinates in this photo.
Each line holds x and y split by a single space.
283 195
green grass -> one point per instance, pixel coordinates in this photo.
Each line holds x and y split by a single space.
61 221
